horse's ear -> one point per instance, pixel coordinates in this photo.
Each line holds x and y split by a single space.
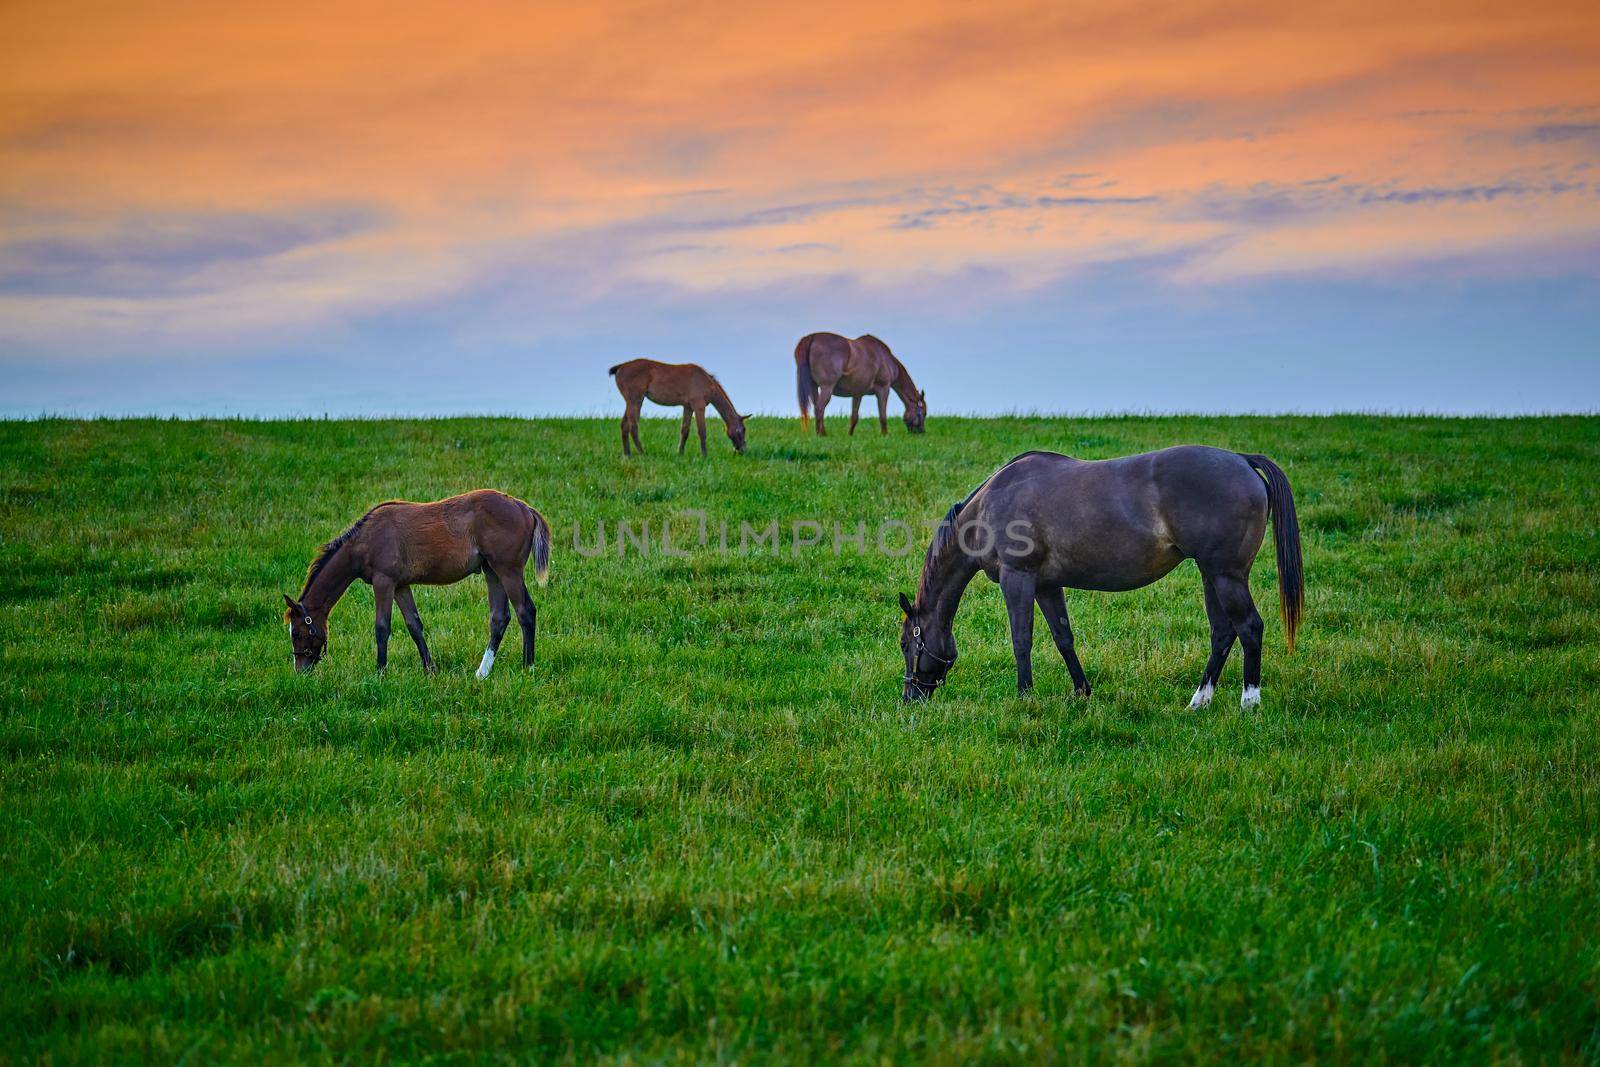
294 605
923 396
745 416
905 605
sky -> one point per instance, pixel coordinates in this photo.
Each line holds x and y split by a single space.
363 208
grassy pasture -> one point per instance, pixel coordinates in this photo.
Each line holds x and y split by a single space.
706 827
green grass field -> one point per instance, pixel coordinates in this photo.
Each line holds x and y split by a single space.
706 827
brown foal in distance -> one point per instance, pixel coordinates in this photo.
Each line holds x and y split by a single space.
399 544
671 384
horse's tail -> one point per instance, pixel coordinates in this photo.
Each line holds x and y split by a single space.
804 384
1286 536
540 548
613 370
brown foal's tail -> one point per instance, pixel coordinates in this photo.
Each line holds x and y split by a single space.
804 384
613 370
1286 535
541 548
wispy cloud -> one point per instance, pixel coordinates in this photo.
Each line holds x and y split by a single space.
1585 132
989 201
163 254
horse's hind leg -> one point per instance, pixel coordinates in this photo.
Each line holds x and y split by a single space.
630 425
408 611
1221 642
1018 588
527 614
683 431
824 394
855 414
1053 604
1233 593
499 619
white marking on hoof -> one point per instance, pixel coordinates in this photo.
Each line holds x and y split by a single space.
1202 696
488 661
1250 697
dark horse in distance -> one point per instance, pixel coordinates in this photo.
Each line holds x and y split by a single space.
826 365
671 384
399 544
1046 522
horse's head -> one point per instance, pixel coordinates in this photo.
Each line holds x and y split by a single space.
917 413
308 634
736 431
929 654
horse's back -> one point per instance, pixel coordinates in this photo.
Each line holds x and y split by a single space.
1125 522
668 384
443 541
458 514
853 366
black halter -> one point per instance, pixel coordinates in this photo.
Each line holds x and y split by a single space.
311 630
920 649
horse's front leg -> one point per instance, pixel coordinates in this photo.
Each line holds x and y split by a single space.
383 598
883 411
1053 604
1018 587
408 611
700 425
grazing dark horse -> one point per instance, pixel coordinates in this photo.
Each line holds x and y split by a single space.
671 384
399 544
1045 522
826 365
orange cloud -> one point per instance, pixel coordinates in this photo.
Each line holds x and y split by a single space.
708 146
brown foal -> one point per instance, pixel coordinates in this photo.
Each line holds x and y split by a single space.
671 384
399 544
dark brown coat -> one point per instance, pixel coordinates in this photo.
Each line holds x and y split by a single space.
399 544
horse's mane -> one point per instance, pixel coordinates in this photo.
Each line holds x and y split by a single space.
901 374
943 538
327 551
719 393
945 535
